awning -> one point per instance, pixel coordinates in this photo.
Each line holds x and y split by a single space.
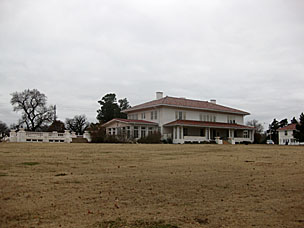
193 123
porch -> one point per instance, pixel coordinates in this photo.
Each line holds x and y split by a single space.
197 132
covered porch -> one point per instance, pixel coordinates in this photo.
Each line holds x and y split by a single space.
184 131
130 129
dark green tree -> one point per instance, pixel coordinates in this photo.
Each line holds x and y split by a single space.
294 120
110 108
77 124
4 131
283 123
123 104
273 129
299 132
57 125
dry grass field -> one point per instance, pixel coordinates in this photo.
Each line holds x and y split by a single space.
151 186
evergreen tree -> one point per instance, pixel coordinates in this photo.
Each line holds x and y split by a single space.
294 120
299 132
273 130
111 109
57 125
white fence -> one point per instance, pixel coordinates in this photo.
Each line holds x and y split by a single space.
51 137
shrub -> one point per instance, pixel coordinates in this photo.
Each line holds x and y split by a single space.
152 138
97 133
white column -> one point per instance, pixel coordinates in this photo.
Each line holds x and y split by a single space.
139 132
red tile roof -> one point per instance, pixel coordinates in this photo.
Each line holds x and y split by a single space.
129 121
206 124
186 103
289 127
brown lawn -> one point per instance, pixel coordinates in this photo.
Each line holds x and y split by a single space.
151 186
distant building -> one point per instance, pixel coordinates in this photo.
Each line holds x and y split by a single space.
183 120
286 135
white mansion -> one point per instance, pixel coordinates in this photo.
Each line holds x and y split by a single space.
183 120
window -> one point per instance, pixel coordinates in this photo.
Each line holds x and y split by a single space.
286 133
201 117
245 134
152 115
202 132
128 132
113 129
109 131
155 115
214 118
124 131
135 132
136 116
150 131
143 132
179 115
185 131
143 116
230 119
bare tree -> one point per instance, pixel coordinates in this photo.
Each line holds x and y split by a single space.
32 104
258 126
78 124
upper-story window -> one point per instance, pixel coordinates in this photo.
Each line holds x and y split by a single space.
207 117
179 115
143 116
154 115
231 119
286 133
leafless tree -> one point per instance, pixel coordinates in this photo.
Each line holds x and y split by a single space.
32 104
258 126
78 124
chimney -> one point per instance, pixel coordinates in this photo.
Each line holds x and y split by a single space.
159 95
213 101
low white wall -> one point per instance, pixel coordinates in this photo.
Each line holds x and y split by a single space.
30 136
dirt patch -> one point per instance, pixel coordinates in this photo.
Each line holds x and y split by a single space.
151 186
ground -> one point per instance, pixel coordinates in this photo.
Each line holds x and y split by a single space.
151 186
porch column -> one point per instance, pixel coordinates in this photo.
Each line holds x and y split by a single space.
174 130
177 128
139 131
131 131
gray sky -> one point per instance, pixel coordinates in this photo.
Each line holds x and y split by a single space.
246 54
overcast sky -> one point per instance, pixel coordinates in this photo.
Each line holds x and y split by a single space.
246 54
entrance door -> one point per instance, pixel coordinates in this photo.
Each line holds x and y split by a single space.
212 134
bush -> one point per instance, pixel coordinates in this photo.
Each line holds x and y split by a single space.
152 138
98 133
